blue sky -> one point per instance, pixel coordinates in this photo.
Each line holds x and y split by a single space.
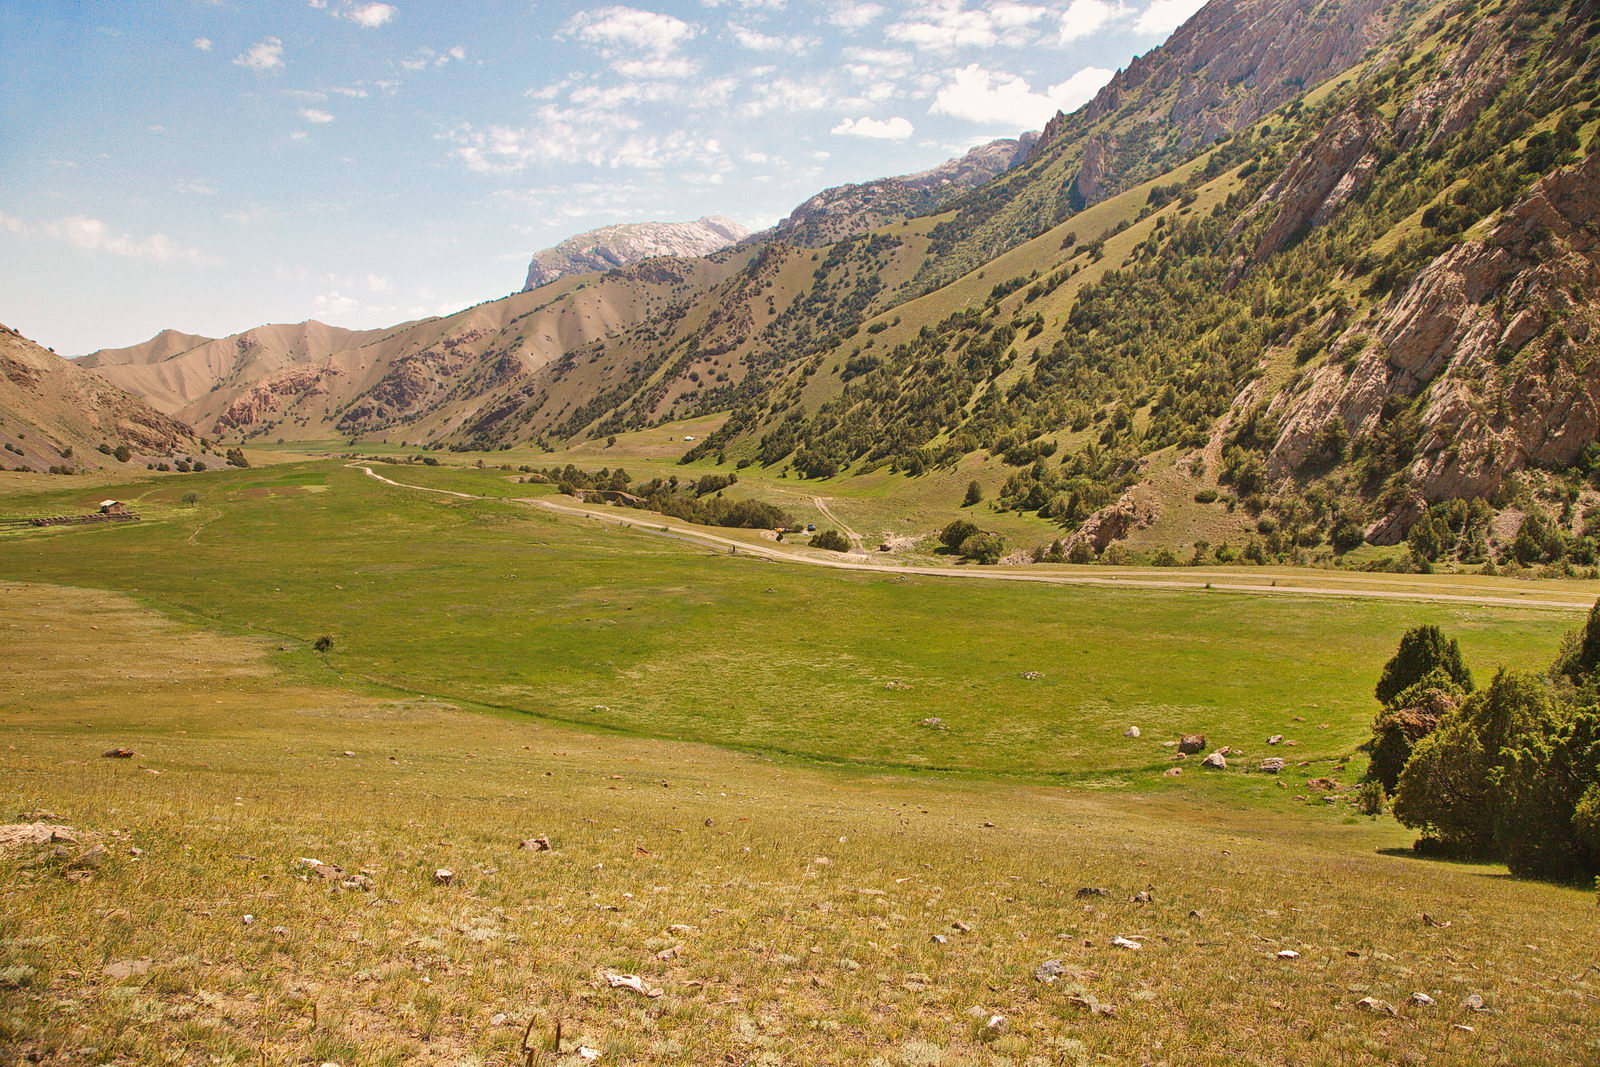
210 165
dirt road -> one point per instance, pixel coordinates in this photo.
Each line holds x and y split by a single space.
1122 579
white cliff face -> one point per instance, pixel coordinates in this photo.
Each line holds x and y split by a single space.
610 247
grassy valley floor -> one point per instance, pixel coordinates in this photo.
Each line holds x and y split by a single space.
499 673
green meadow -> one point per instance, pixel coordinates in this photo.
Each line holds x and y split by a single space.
744 809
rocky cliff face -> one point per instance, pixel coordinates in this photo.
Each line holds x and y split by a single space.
1498 335
54 413
850 209
611 247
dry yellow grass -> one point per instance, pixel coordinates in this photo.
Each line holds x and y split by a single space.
812 895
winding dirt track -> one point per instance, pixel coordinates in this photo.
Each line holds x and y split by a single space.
1198 580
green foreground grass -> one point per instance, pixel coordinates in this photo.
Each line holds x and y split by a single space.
811 884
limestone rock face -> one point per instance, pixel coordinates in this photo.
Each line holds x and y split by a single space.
610 247
847 209
1325 175
1499 334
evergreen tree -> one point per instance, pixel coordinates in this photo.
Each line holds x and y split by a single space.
1422 651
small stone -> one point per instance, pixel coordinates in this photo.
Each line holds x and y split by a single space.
91 857
669 953
1192 744
443 876
1376 1006
933 722
1132 731
997 1026
587 1053
960 927
1272 765
1172 772
541 843
1474 1002
1288 954
1275 739
939 939
1092 891
1049 970
1126 942
347 752
497 1019
1216 761
1141 897
248 920
1322 785
118 753
1422 999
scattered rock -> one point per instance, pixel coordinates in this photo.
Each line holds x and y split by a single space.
443 876
1141 897
1288 954
997 1026
1092 891
1376 1006
1429 920
939 939
587 1053
24 834
1132 731
1191 744
1275 739
358 882
118 753
1272 765
1216 761
1172 772
1423 999
93 856
1049 970
1094 1006
1474 1002
1169 744
680 929
933 722
320 869
633 982
1322 785
1126 942
1032 675
248 920
347 753
542 843
960 927
670 953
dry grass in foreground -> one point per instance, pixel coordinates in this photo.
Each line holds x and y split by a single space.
787 915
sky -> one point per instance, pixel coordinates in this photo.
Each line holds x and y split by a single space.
211 165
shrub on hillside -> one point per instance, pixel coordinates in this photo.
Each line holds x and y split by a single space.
832 540
957 532
983 548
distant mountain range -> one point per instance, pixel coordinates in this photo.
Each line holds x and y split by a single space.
1310 267
610 247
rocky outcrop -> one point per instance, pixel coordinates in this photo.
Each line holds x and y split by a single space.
850 209
611 247
273 393
1320 180
1500 333
1133 511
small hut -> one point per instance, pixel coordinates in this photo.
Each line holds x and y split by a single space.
113 507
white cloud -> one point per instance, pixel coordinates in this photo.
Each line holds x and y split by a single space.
1084 17
1164 16
853 16
948 25
757 41
657 67
891 129
263 56
370 16
203 43
427 57
995 97
94 235
315 114
611 29
194 188
596 136
786 95
333 303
